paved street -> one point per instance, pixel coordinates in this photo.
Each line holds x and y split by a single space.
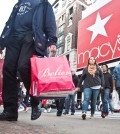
49 123
115 116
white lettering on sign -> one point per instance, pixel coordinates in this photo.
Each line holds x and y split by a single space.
99 51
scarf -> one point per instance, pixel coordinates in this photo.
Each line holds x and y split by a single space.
92 69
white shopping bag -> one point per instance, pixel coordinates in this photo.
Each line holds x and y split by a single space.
115 103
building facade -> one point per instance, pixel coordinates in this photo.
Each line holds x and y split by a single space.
68 13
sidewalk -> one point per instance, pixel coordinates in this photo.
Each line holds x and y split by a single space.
23 126
49 123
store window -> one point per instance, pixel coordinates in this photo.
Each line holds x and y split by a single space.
61 30
60 40
68 42
56 8
70 15
63 3
60 50
62 18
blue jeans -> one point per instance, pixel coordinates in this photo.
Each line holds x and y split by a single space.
90 94
67 103
105 99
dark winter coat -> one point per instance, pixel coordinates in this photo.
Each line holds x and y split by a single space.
90 80
108 81
43 27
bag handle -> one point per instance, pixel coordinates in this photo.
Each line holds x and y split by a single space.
52 54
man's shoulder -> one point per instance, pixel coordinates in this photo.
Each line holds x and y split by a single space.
117 68
116 71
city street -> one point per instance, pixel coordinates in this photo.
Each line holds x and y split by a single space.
67 51
49 123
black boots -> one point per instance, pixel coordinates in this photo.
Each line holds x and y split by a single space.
13 116
6 116
36 112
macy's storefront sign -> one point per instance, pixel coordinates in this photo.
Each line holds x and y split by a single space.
99 33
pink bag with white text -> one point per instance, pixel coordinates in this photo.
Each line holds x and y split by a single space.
51 77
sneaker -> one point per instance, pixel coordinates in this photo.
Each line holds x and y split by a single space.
84 116
21 108
26 109
49 110
45 111
106 114
103 115
72 113
92 116
79 107
59 114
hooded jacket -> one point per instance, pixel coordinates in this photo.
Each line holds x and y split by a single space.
43 27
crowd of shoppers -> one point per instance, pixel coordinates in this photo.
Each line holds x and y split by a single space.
97 82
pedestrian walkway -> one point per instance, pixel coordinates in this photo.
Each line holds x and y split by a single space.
78 113
111 115
98 115
49 123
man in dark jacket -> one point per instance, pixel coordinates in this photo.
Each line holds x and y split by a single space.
30 29
106 92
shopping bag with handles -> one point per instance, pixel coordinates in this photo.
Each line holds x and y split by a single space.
51 77
115 102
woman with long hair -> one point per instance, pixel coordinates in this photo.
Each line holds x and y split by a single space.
93 81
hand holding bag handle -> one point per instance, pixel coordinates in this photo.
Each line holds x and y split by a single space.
52 54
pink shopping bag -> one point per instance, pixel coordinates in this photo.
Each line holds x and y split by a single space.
51 77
